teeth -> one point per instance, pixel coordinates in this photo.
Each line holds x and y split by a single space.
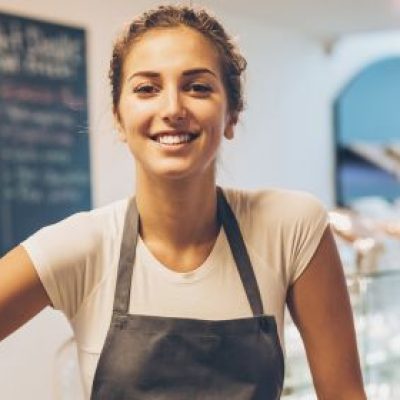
174 139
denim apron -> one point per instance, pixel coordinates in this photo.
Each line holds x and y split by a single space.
165 358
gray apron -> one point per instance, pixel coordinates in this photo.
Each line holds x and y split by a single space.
164 358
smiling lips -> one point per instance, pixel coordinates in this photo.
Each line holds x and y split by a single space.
174 138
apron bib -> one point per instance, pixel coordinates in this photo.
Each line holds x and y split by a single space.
163 358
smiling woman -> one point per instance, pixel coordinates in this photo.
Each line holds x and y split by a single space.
173 108
179 292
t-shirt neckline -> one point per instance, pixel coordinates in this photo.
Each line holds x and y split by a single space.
150 261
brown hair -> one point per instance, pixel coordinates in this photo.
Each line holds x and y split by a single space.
232 62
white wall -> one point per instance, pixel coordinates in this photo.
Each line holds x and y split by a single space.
284 139
285 131
354 53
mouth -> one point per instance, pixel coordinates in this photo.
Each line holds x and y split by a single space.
174 138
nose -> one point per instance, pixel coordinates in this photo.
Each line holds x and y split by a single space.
173 108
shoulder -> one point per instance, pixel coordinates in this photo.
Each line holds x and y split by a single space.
282 226
83 230
108 218
75 242
72 256
275 205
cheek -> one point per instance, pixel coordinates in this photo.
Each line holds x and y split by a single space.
213 115
135 116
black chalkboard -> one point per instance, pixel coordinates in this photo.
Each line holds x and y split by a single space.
44 146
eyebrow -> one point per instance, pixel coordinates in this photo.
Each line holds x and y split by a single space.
189 72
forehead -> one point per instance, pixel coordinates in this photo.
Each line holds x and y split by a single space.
172 48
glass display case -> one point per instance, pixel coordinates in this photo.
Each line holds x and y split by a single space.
376 303
375 299
372 267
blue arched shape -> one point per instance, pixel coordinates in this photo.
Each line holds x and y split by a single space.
367 112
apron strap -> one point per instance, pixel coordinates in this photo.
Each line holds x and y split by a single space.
240 254
126 258
236 244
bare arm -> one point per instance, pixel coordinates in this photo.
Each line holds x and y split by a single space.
22 295
320 307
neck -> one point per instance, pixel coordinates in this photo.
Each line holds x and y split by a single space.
178 213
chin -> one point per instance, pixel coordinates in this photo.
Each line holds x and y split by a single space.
175 175
178 171
182 175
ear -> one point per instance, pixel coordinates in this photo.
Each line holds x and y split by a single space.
119 128
230 125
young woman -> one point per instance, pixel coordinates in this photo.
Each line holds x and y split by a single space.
179 292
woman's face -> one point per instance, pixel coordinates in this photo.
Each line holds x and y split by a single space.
173 109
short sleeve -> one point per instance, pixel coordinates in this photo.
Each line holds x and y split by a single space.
65 256
309 221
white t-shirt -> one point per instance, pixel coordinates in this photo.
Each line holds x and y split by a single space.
77 261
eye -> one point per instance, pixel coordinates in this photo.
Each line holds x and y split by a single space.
145 89
199 88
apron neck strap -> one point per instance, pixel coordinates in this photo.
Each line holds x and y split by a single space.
236 244
240 254
126 258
